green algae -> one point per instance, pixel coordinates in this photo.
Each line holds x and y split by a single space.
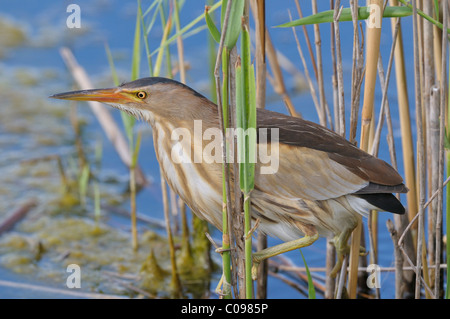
12 35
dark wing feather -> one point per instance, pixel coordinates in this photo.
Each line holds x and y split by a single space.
374 188
302 133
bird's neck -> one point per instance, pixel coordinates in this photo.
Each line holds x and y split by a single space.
175 141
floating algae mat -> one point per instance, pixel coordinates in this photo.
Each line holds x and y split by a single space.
12 34
45 247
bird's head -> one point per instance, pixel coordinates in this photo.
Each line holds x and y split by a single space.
147 98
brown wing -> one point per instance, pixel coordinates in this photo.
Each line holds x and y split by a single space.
325 164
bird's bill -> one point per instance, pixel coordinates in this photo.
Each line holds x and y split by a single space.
113 95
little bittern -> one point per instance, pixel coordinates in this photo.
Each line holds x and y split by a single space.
321 185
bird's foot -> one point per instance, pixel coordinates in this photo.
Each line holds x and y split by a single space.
363 252
223 288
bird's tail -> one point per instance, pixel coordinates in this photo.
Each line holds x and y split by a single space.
384 202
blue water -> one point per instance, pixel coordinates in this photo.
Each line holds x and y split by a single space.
113 22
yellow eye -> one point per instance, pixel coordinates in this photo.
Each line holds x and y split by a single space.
141 95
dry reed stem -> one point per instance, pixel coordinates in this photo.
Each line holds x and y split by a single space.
407 151
420 151
314 64
373 48
340 73
319 61
306 71
353 120
385 85
384 112
339 94
58 292
278 83
432 124
405 123
360 268
437 172
330 283
398 259
334 76
372 52
307 40
416 268
342 278
387 114
441 159
17 215
357 72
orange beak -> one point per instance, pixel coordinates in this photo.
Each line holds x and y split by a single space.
113 95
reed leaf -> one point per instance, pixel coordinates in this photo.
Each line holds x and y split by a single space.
154 3
153 18
111 65
215 33
311 289
234 22
346 15
246 127
136 60
188 27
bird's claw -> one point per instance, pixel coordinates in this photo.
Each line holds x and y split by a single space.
255 271
255 264
363 252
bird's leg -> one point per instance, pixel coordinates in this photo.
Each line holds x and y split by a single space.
259 256
342 249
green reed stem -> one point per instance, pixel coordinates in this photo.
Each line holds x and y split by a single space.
246 125
226 240
447 290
